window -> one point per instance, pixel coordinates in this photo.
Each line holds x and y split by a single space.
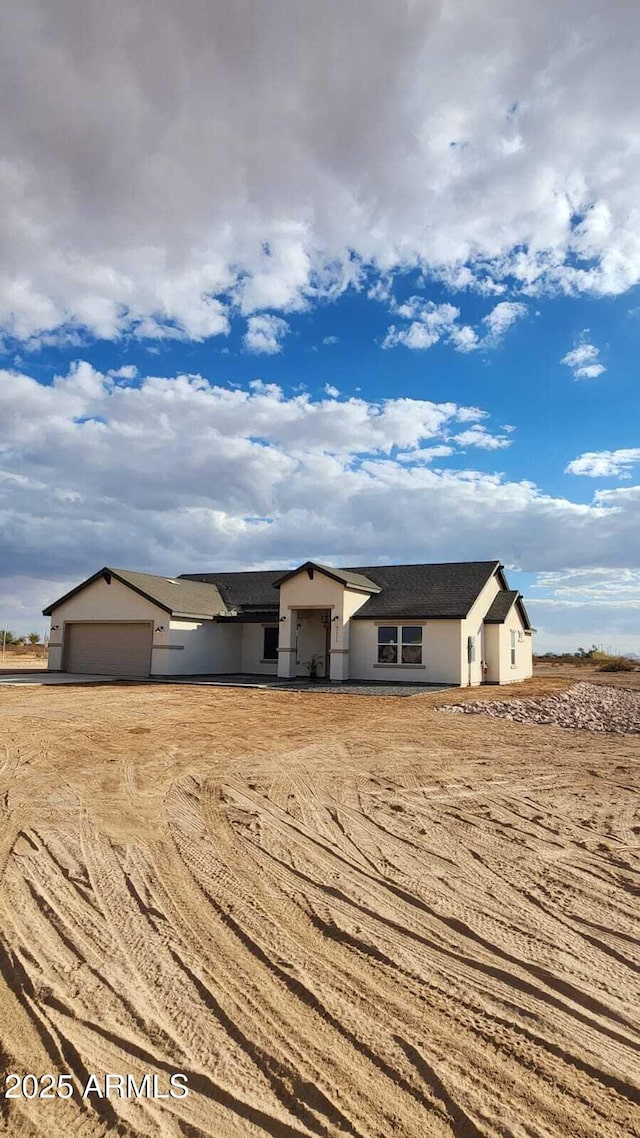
270 644
513 649
400 644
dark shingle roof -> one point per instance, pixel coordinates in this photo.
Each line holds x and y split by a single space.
501 607
441 590
253 589
447 589
176 596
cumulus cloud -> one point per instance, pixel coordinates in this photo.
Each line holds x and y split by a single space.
428 323
583 361
153 183
500 319
128 371
605 463
604 586
265 334
479 436
581 607
174 475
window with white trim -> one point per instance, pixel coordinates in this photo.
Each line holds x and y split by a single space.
399 644
513 649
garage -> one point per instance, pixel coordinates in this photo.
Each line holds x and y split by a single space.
109 648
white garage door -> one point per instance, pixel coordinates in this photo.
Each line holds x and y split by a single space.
111 649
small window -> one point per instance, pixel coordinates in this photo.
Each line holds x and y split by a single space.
270 645
513 649
400 644
411 644
388 645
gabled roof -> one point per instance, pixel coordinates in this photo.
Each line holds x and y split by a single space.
445 590
501 607
176 596
253 589
350 577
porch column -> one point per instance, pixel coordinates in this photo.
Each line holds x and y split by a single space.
339 651
287 645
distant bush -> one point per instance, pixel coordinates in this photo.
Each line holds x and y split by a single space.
564 658
618 664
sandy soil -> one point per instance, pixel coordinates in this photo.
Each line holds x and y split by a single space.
337 915
589 673
29 661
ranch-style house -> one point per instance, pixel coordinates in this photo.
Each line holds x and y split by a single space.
456 623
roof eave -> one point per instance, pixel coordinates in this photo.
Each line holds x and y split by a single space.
368 590
89 581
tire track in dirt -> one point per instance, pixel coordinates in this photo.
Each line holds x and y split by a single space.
389 932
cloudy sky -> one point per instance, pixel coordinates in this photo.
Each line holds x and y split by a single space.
357 282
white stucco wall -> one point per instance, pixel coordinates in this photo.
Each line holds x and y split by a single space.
441 654
179 647
252 660
498 650
320 593
474 626
197 648
523 668
100 601
492 652
302 592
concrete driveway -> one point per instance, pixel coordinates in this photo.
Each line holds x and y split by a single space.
54 678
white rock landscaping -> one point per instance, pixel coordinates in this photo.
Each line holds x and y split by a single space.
586 706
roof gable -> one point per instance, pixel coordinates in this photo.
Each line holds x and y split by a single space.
351 578
501 606
174 596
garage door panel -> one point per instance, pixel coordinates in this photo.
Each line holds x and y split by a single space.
108 649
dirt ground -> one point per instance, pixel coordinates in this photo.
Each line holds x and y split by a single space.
336 915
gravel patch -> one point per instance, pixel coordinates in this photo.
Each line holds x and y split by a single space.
587 706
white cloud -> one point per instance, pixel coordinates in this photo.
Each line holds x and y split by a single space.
331 391
583 360
606 586
129 371
329 340
430 322
265 334
502 317
179 474
478 436
582 607
605 463
146 188
423 455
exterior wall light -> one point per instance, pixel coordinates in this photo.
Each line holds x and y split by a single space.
282 618
55 627
160 628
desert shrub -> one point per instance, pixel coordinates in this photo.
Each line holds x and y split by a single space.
618 664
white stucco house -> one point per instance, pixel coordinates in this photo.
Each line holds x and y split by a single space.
449 623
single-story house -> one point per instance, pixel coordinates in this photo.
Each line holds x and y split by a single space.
452 623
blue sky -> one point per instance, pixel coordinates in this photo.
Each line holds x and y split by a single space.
387 311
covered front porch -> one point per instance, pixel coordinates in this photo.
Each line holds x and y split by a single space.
304 648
